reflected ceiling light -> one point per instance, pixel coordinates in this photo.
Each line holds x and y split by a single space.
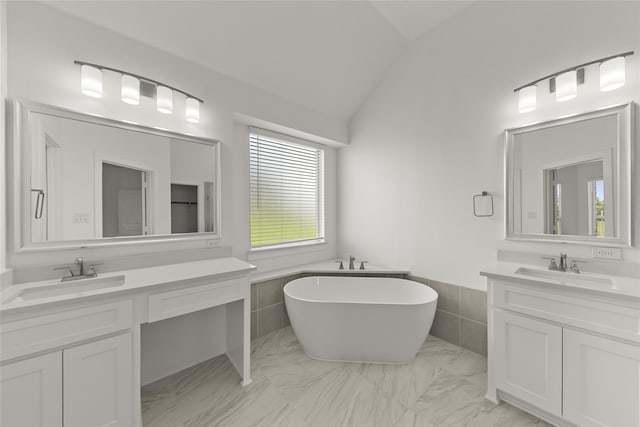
612 74
527 99
130 90
164 98
192 110
566 86
91 81
133 85
565 83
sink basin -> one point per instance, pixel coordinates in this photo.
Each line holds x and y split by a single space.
566 277
56 289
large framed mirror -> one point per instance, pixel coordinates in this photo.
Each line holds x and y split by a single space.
81 181
569 180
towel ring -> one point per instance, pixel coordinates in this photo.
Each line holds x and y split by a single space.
475 209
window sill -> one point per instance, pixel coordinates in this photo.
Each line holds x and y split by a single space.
286 249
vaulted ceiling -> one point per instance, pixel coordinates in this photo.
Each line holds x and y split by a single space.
325 55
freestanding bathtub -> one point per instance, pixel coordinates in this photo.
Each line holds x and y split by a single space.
360 319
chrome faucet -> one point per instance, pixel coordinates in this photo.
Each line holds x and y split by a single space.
563 262
79 273
351 260
80 263
563 266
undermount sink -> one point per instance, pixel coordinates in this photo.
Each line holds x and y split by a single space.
56 289
565 277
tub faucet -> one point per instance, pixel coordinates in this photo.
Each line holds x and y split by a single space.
351 260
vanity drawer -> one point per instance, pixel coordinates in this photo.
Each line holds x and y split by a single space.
603 317
187 300
41 333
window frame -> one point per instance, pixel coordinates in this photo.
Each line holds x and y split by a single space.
294 245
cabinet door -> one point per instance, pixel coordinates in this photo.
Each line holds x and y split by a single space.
528 360
32 392
98 383
601 381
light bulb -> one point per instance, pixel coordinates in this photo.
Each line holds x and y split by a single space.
527 99
612 74
91 81
164 99
192 110
566 86
130 90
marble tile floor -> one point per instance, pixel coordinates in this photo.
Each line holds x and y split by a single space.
443 386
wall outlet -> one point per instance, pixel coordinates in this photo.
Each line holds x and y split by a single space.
606 253
81 218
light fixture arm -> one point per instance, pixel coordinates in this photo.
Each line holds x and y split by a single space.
550 76
137 76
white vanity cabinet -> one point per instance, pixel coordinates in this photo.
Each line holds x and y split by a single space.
31 392
98 383
87 385
85 376
528 360
601 380
75 360
570 356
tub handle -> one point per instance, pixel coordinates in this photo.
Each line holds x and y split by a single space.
362 263
341 267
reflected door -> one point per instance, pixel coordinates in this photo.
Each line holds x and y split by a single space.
123 201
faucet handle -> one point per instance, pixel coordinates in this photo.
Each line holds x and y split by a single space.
552 263
67 270
362 263
574 265
91 271
341 267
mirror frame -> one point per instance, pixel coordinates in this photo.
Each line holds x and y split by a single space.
622 180
18 169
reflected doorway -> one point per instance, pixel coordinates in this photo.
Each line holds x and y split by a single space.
124 201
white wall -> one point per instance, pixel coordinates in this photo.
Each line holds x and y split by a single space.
3 91
43 43
431 135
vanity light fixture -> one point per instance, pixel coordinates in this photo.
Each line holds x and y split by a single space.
164 99
192 110
612 74
565 83
566 86
527 99
130 90
91 81
134 85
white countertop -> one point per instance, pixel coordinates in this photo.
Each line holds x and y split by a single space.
135 279
621 285
329 266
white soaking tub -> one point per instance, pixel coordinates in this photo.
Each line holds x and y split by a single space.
360 319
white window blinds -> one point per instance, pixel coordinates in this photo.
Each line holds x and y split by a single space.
286 190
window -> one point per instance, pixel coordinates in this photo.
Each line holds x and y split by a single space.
595 191
286 186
